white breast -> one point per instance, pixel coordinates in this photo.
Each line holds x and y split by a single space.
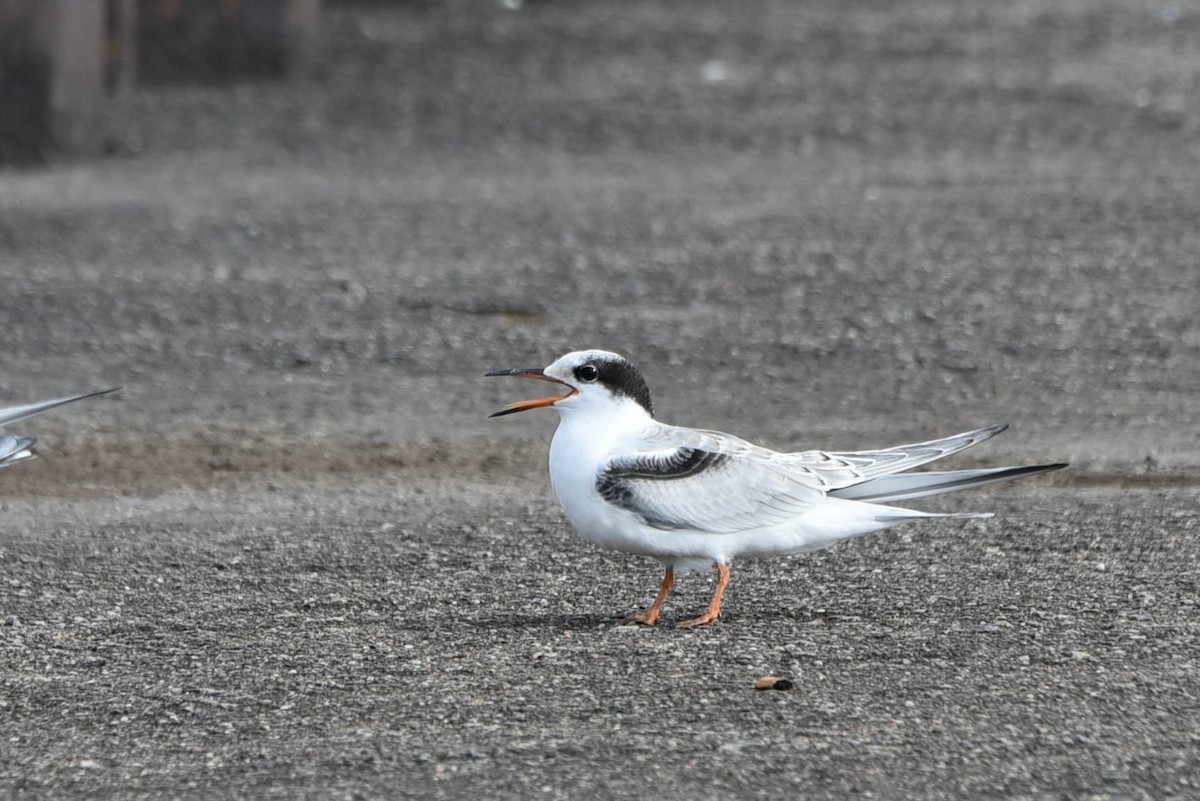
581 448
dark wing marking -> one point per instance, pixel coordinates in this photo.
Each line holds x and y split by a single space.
681 463
618 484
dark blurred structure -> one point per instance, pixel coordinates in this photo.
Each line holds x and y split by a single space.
61 60
216 40
52 68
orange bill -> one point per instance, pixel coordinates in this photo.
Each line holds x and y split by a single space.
537 403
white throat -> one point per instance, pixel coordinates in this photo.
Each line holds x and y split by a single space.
589 431
603 419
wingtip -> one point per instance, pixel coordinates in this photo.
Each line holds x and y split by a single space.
13 414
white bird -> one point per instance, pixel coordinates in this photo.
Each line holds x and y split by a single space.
14 448
693 499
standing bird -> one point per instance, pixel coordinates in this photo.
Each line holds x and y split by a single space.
693 499
15 448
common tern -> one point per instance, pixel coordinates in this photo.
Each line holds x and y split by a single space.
693 499
14 448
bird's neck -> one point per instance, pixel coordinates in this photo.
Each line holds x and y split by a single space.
604 427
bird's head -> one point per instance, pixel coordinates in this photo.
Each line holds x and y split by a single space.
594 379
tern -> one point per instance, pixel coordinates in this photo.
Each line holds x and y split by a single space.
15 448
693 499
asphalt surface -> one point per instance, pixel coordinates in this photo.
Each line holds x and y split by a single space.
292 559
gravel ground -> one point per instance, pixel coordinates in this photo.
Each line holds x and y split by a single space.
293 559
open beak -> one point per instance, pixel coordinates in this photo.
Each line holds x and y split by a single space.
536 374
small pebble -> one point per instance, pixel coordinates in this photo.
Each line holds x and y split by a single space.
772 683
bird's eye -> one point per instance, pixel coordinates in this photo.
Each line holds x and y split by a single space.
587 372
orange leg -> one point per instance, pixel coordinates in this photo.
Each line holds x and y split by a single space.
714 606
651 615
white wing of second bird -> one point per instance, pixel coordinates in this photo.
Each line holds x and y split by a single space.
15 448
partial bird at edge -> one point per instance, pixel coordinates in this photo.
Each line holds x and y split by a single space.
14 448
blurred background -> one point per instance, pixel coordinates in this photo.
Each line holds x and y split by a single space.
298 232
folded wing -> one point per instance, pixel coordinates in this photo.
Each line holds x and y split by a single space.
700 489
709 481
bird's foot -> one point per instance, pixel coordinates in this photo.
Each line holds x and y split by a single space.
645 618
707 619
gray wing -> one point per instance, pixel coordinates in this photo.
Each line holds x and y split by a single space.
690 488
830 470
709 481
706 481
840 469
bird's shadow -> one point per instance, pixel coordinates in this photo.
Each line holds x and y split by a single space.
568 621
575 622
515 622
